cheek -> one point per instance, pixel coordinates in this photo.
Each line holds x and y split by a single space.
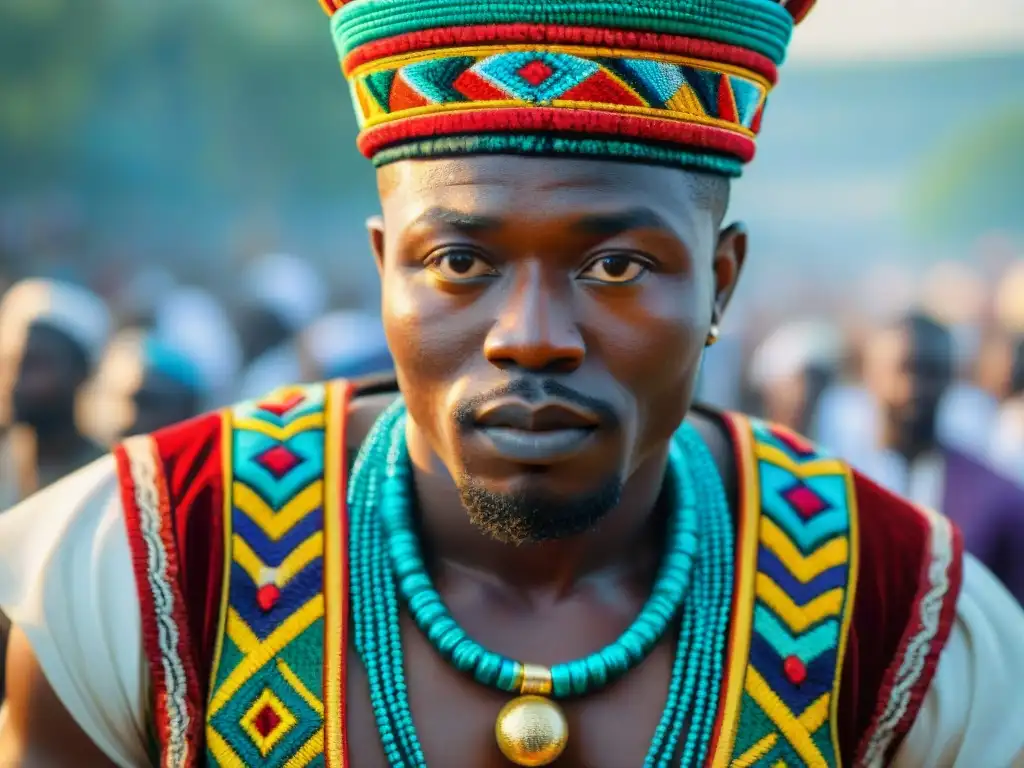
653 349
431 339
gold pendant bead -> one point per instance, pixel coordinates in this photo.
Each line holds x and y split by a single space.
531 731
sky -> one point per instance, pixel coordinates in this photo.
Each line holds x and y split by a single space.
858 30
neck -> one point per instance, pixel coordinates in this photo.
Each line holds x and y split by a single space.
625 544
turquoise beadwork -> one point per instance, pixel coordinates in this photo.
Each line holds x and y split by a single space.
693 585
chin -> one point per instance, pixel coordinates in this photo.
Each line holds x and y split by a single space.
528 509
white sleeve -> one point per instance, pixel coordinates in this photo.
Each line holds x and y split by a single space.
66 581
973 713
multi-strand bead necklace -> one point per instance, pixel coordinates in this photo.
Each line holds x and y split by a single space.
693 586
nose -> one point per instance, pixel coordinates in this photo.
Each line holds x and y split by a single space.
535 329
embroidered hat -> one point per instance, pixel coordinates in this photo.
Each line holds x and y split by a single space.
672 82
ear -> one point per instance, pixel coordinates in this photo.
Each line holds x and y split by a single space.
730 255
375 228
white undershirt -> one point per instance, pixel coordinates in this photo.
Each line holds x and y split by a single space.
66 580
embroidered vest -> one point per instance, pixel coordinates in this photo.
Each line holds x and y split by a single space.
247 639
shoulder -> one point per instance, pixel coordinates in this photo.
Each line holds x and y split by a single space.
905 568
64 563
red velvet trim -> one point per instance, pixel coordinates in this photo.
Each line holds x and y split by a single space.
548 119
895 554
191 457
180 616
150 630
525 34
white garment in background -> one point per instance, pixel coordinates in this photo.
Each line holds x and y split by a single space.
922 481
277 367
288 285
846 423
965 419
66 580
1006 446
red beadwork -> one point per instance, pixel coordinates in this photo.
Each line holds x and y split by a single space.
281 408
536 72
266 721
267 597
805 501
279 461
795 670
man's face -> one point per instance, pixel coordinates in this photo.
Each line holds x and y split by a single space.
547 319
909 372
50 372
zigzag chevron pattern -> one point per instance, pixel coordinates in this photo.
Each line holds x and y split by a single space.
266 706
801 594
459 79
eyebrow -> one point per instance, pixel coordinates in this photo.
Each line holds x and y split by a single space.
610 224
465 222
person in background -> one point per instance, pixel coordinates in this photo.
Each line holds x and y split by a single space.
967 412
282 294
194 322
909 367
51 336
344 345
791 369
142 384
1007 445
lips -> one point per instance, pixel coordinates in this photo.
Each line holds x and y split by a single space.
535 433
547 416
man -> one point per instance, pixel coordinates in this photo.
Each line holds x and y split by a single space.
51 335
725 594
910 367
283 294
142 385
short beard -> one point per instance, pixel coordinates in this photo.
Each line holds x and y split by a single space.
520 518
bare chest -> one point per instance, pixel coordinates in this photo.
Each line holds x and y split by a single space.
455 717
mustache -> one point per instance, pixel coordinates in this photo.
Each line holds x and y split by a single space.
532 391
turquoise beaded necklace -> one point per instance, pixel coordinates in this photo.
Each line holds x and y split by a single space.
693 586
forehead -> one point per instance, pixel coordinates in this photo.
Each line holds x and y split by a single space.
520 188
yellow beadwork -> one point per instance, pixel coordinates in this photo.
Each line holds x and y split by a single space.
531 731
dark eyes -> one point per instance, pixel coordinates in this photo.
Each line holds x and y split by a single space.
616 269
460 265
463 265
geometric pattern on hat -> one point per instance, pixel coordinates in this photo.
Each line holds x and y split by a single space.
658 92
801 603
268 688
670 82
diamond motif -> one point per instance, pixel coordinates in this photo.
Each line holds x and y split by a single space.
805 501
267 721
536 72
280 407
535 77
278 461
794 443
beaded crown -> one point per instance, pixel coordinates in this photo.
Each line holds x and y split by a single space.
672 82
